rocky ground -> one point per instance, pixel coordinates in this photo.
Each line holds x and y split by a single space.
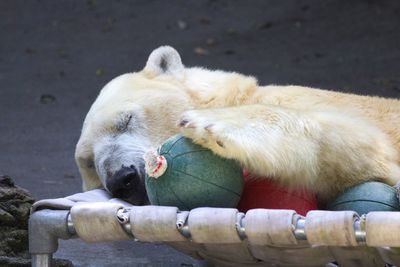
56 55
15 204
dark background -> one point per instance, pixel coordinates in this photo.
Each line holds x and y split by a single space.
56 55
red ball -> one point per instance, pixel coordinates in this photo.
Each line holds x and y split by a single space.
268 194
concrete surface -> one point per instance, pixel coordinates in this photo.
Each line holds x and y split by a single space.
56 55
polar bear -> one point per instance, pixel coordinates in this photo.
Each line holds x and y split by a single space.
321 140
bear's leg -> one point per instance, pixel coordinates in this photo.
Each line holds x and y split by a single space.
324 150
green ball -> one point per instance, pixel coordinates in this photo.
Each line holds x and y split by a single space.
366 197
194 177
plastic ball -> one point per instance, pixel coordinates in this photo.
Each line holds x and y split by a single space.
366 197
264 192
187 175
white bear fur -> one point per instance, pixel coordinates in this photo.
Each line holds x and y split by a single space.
322 140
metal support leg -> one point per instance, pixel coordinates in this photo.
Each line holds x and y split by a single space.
41 260
45 228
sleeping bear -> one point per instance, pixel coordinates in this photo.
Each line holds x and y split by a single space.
320 140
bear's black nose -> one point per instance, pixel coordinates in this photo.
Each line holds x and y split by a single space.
124 182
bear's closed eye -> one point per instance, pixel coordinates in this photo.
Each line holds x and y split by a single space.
123 124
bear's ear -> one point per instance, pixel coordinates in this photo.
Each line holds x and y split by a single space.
164 60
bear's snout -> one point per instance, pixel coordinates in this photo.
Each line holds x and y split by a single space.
127 184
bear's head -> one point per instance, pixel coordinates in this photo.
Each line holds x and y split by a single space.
133 113
136 112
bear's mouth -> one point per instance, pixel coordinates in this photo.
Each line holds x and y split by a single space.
137 197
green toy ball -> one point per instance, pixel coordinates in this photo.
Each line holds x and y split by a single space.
366 197
188 176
